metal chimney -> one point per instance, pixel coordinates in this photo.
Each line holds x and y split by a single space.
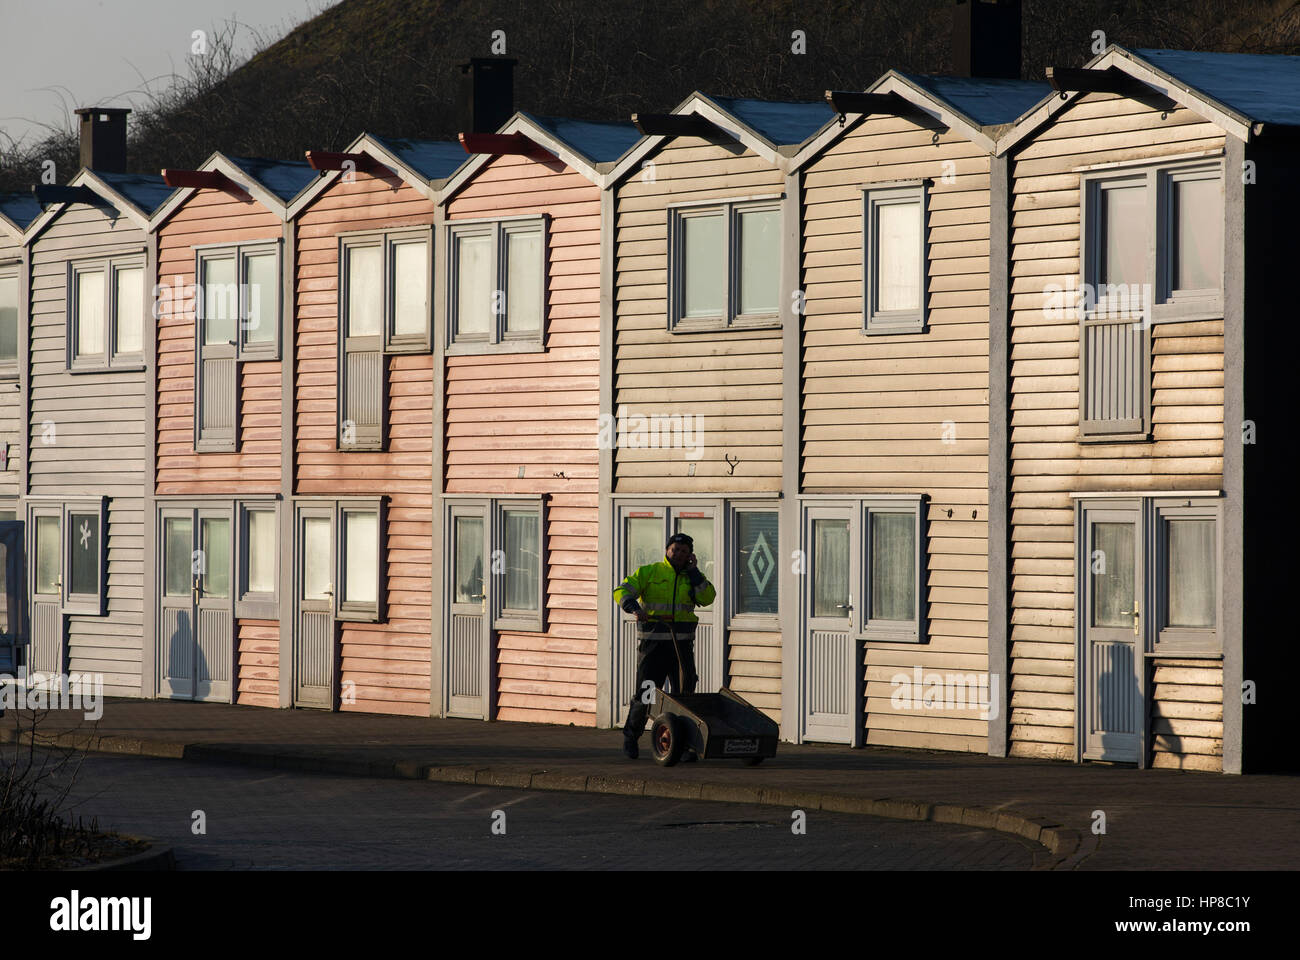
986 38
487 93
103 138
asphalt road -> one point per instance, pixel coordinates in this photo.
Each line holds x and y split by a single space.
255 819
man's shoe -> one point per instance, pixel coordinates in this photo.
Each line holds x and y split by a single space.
689 755
630 748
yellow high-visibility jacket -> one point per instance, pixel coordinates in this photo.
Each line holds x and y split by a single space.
663 592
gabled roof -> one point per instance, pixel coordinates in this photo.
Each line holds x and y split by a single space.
17 211
1240 92
273 183
136 196
590 147
979 108
284 178
422 164
775 130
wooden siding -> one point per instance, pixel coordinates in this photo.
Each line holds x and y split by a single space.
208 217
730 378
388 663
907 413
87 439
1186 720
1048 462
257 663
754 668
538 411
11 398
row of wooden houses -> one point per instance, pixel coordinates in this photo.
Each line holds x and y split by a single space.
947 378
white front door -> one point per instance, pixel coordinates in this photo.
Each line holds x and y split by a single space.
314 627
828 663
467 586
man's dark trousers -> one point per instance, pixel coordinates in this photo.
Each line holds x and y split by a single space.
656 662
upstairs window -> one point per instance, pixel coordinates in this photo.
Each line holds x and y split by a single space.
106 314
497 285
894 259
724 265
9 308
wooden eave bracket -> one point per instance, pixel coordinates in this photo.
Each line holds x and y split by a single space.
675 125
1066 80
503 143
850 101
48 193
204 180
332 160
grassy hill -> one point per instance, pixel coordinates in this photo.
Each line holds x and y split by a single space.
389 66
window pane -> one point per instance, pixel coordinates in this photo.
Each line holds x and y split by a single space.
756 561
263 293
1124 236
220 301
1191 597
473 284
364 281
830 568
47 554
83 551
1113 575
8 318
898 256
361 539
1198 234
702 266
524 281
893 559
760 256
523 560
261 551
216 556
128 301
700 530
7 603
178 563
411 288
90 313
315 558
644 539
468 572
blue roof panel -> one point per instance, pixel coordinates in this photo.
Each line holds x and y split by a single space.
986 100
1263 87
431 159
284 178
21 208
781 122
147 192
599 142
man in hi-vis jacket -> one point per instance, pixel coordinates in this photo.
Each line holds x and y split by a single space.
668 590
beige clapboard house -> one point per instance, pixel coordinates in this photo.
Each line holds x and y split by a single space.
697 309
1152 225
890 642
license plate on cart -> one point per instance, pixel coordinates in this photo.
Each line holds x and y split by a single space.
739 747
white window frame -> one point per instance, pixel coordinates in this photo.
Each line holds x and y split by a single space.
876 321
12 270
896 631
355 610
248 604
762 622
497 339
1172 641
730 317
109 360
530 621
93 604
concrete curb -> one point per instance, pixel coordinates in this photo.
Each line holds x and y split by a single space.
155 858
1066 845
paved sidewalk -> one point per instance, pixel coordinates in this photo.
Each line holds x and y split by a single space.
1155 819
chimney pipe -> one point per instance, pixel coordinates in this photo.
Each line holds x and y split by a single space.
986 38
103 138
487 93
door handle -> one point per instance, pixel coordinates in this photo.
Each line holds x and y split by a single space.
1136 618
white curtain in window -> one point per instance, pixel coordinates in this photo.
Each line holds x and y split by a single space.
830 569
361 537
1113 575
220 301
524 281
1191 594
216 547
8 318
1198 232
47 554
760 261
702 265
474 284
365 286
261 551
898 256
468 571
316 576
523 560
128 299
263 283
1124 239
893 566
410 288
90 313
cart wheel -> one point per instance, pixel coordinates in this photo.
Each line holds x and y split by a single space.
753 761
666 740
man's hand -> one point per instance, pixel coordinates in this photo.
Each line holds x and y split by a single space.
641 616
691 563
